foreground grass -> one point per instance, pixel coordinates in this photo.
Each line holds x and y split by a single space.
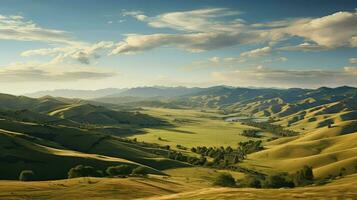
91 188
160 188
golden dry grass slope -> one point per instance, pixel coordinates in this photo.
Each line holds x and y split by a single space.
329 151
160 188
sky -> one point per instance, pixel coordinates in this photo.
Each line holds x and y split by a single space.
95 44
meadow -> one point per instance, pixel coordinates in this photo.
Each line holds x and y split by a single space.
192 128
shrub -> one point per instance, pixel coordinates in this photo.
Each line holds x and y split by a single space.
27 175
140 171
119 170
83 171
251 181
304 176
280 180
225 180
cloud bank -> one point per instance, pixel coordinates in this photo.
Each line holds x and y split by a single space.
261 76
204 29
43 72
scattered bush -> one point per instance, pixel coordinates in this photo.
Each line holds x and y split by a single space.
140 171
251 181
280 180
27 175
225 180
119 170
304 176
273 128
83 171
252 133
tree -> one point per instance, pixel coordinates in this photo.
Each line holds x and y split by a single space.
304 176
82 171
251 181
140 171
27 175
225 180
278 181
119 170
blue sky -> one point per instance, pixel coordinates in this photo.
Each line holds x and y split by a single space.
48 45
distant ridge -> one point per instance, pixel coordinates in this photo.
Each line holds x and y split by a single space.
81 94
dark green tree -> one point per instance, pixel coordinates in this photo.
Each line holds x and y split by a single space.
140 171
27 175
82 171
225 180
119 170
304 176
280 180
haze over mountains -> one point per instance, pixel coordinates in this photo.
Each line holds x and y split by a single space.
81 94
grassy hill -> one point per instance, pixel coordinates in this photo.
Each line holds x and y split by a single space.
37 147
327 150
341 189
91 114
168 188
20 152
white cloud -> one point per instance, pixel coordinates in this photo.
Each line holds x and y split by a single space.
353 60
261 76
193 42
336 30
17 28
203 30
282 59
306 46
46 72
207 29
351 70
82 53
257 52
215 59
200 20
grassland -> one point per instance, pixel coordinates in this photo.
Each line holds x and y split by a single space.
327 142
340 189
192 128
160 188
327 150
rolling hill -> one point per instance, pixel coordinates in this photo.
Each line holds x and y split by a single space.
168 188
41 133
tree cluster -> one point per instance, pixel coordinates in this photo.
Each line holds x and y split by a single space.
302 177
112 171
252 133
272 128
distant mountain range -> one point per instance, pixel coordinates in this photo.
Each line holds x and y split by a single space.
140 92
252 101
81 94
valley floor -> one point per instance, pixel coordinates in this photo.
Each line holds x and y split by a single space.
164 188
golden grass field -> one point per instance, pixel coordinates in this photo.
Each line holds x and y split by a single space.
327 150
164 188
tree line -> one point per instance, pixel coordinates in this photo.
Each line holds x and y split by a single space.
89 171
272 128
302 177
